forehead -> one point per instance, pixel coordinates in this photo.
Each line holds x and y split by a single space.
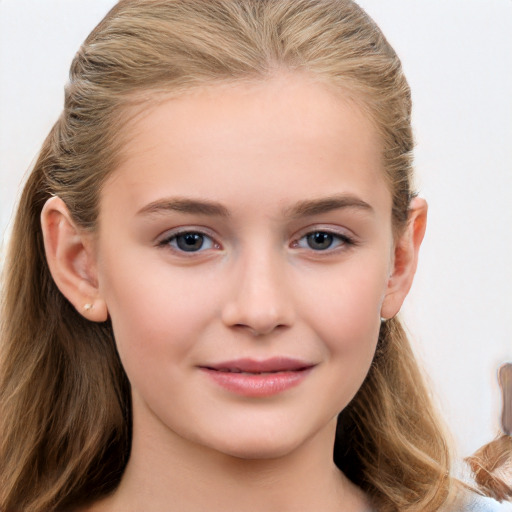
289 133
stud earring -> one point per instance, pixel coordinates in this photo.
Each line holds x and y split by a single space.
87 307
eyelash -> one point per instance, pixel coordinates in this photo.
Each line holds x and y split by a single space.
173 241
340 241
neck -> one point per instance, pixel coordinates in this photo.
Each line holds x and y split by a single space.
305 479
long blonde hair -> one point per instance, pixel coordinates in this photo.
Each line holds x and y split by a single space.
65 411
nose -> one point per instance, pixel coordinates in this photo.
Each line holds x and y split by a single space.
260 302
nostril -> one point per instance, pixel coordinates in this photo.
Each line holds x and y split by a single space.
258 330
259 304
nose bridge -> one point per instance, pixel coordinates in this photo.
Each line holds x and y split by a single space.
260 298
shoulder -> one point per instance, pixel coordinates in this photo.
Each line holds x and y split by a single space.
480 504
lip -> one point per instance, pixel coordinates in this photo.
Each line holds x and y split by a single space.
258 378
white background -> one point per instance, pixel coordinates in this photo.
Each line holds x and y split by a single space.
457 55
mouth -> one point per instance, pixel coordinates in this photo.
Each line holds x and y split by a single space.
252 378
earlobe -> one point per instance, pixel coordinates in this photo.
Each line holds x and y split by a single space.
405 259
71 260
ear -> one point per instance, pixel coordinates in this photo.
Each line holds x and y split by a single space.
405 259
71 259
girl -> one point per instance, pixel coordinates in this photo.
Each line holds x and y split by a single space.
221 231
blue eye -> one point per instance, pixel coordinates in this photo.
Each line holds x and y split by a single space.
322 240
189 241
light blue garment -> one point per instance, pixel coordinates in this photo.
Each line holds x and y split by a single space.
476 503
480 504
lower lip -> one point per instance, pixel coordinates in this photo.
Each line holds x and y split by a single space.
258 385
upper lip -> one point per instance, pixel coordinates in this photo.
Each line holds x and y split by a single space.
274 364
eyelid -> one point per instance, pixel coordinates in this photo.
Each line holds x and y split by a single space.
164 239
348 239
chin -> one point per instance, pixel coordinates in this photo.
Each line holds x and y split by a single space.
258 452
257 447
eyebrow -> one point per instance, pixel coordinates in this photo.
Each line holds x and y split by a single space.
318 206
184 205
211 208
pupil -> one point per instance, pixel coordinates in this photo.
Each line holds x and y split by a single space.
320 241
190 242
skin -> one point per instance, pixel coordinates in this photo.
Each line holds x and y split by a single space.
279 160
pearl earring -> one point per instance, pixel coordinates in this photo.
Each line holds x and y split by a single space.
87 307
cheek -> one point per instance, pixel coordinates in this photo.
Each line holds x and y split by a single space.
156 311
344 309
349 328
347 300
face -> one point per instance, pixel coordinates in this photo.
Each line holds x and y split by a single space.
244 251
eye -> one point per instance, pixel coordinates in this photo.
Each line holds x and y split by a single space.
189 241
322 240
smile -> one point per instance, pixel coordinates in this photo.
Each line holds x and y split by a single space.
258 379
